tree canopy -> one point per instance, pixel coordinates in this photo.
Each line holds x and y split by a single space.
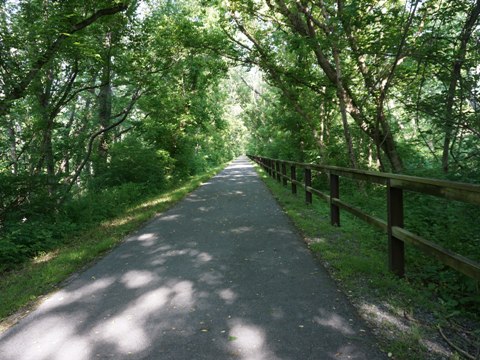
383 84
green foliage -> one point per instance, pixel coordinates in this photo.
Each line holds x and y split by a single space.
10 254
24 196
131 161
100 204
397 65
128 106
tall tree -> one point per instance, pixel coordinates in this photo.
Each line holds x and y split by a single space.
16 84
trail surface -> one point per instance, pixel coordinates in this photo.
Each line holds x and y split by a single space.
222 275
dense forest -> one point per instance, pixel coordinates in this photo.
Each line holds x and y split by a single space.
101 101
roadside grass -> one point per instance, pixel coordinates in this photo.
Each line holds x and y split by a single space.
402 313
24 286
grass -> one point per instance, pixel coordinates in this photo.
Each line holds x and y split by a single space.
21 289
403 312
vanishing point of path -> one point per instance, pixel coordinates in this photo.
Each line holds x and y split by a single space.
221 275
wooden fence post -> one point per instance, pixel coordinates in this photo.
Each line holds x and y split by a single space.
396 251
284 174
272 169
277 170
308 183
293 175
334 194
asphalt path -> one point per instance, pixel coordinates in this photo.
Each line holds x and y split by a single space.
221 275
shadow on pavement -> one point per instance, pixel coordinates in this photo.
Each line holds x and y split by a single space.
222 275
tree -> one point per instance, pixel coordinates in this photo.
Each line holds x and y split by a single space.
18 73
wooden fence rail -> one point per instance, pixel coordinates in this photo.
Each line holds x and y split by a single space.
395 185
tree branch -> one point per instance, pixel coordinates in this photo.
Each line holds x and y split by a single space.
96 134
20 89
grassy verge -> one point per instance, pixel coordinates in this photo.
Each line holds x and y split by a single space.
403 313
24 286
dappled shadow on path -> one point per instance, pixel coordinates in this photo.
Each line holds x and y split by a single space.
222 275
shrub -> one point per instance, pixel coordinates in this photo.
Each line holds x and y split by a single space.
131 161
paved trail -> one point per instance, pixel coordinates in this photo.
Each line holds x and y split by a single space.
222 275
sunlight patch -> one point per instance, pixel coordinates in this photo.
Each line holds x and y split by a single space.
152 203
75 348
239 166
45 257
136 278
169 217
210 278
241 230
120 222
147 239
248 341
227 295
335 322
152 301
204 257
43 345
382 316
183 294
436 348
147 236
64 297
124 332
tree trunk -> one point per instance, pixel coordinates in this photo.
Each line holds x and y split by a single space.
13 148
47 122
454 78
105 102
330 31
343 110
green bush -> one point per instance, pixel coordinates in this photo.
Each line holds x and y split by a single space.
27 238
21 239
95 206
188 162
131 161
10 254
25 195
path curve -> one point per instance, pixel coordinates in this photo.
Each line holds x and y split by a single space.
221 275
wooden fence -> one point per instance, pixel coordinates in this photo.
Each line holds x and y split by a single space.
394 226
